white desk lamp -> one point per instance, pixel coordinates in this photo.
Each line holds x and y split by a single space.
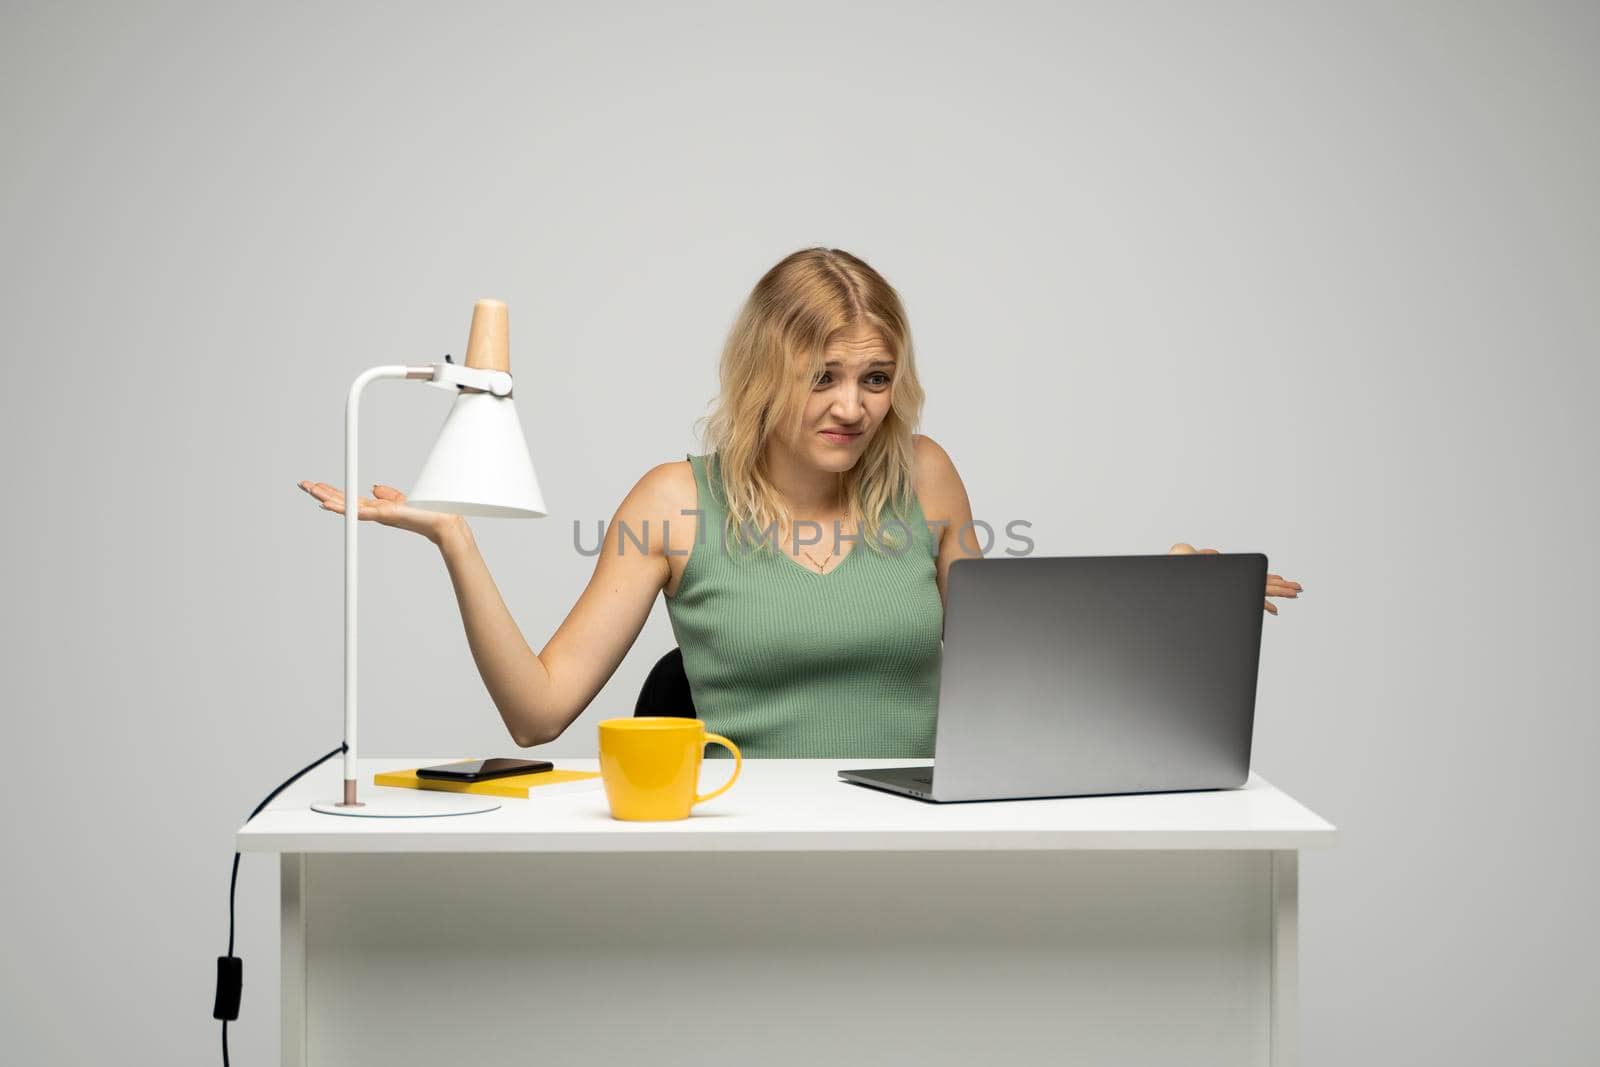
479 466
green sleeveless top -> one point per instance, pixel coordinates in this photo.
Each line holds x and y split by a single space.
786 661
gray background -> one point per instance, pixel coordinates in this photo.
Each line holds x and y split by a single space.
1314 281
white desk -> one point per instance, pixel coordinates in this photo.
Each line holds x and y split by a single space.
794 919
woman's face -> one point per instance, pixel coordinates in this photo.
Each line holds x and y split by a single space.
848 402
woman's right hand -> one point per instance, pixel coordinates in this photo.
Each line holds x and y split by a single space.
388 506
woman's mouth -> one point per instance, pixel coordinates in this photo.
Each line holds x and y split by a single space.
839 438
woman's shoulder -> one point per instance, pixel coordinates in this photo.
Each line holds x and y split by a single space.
939 489
668 488
927 458
663 501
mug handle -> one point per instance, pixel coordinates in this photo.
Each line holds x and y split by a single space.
738 761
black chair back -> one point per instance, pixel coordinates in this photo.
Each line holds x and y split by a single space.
666 690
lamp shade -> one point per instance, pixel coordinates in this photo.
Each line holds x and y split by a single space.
480 463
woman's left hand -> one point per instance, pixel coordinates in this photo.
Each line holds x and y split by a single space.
1277 585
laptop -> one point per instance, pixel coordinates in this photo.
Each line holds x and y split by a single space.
1080 676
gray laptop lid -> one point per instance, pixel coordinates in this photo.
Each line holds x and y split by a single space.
1115 674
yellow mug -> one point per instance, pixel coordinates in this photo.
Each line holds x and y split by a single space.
651 766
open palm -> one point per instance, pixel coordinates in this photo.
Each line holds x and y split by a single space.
387 506
1277 585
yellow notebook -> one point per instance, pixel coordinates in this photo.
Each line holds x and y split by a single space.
515 785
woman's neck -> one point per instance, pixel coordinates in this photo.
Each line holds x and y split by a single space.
809 491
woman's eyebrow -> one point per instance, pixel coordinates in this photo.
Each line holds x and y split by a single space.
874 363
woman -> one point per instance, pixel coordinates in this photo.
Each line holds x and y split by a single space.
803 558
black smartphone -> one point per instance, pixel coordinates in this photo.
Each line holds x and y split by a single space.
479 770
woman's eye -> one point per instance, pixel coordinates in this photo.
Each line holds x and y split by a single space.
878 379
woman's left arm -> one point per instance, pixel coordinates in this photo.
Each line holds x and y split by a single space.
1277 585
945 506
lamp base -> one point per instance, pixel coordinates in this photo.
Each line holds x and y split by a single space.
394 803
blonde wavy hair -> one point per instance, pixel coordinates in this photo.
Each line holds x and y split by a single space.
774 354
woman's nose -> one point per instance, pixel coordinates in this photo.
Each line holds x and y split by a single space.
847 405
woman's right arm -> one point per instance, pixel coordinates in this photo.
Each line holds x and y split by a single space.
539 696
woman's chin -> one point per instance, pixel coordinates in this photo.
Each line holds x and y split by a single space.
837 460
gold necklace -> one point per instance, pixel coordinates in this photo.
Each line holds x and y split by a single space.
821 567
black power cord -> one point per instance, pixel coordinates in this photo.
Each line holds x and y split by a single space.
230 968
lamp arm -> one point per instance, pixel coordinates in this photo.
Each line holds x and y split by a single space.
455 378
352 523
